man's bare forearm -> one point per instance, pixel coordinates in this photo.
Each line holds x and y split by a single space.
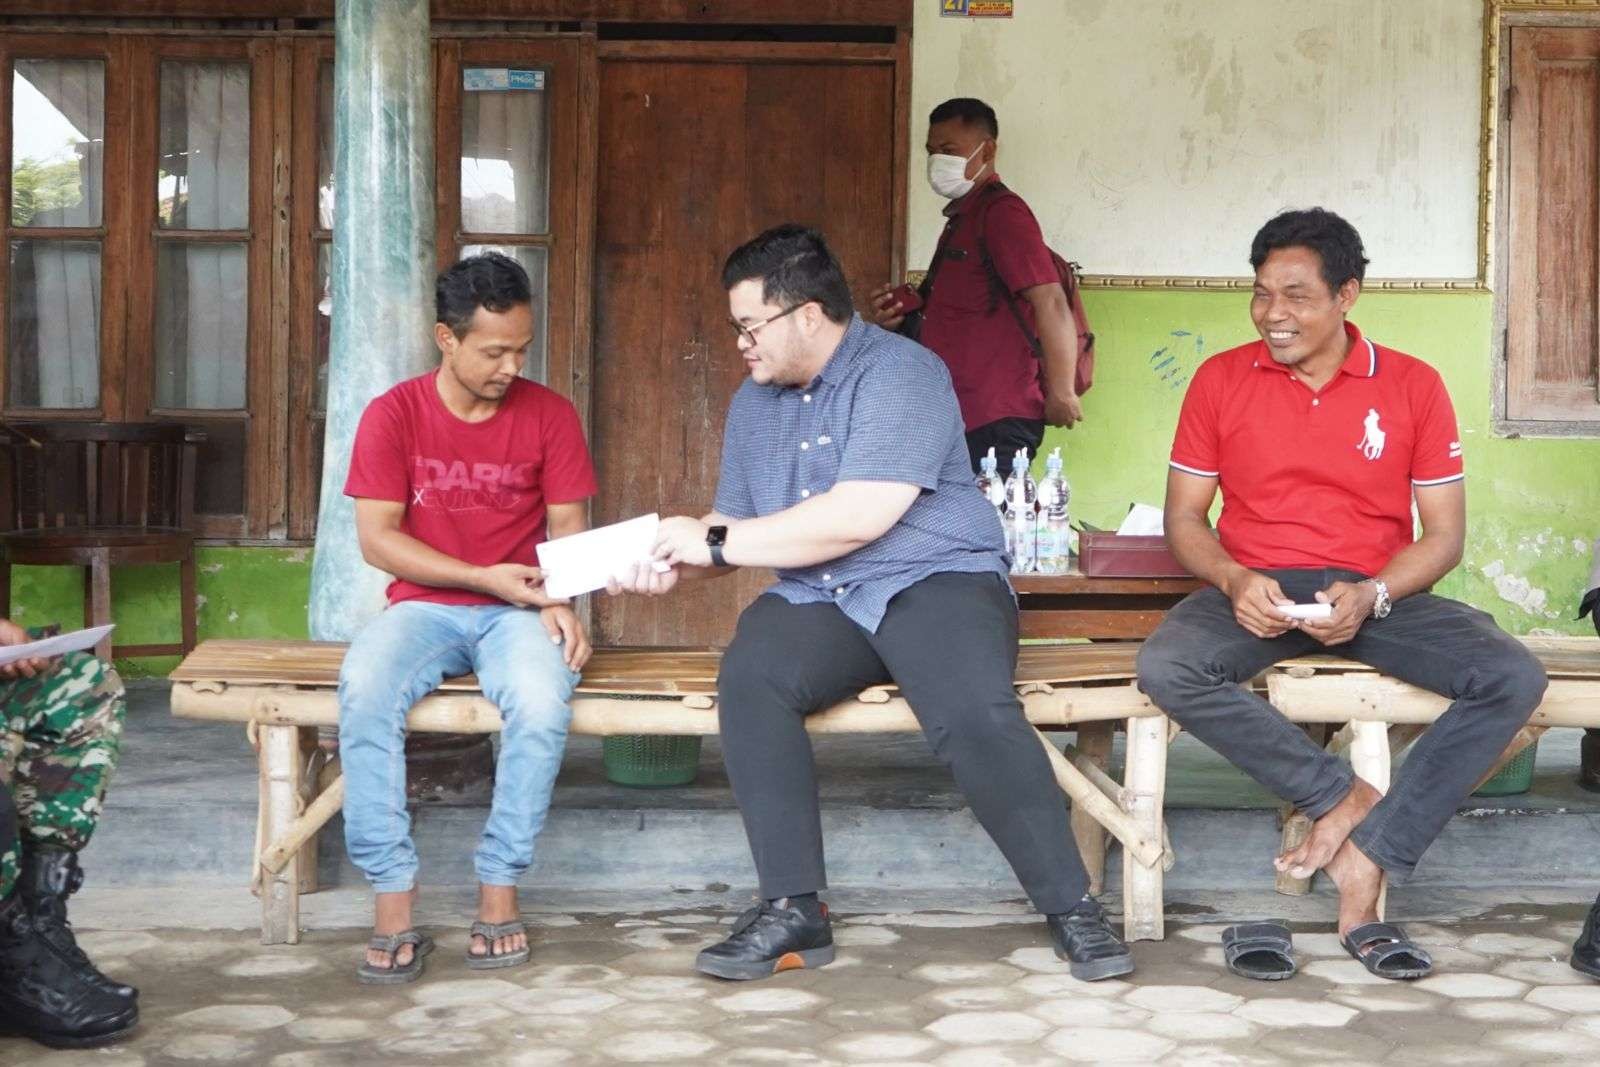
398 553
1420 565
1202 555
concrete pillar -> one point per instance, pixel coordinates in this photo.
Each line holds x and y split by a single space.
382 270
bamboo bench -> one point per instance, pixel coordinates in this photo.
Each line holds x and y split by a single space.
281 691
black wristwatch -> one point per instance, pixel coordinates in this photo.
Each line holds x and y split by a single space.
716 537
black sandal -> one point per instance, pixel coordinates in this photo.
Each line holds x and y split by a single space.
1385 950
491 932
1263 951
396 973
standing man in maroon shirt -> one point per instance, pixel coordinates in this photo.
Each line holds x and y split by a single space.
990 254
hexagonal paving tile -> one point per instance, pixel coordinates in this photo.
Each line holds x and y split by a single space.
662 987
877 1045
464 991
429 1018
1543 972
1088 1044
269 966
571 974
1038 959
1181 998
988 1028
1064 985
1574 999
1503 1011
1000 1056
655 1046
853 936
966 973
1531 1044
977 998
1201 1026
770 1001
223 1047
1346 972
1295 1012
1070 1011
580 1001
1515 945
238 1018
330 1031
1458 985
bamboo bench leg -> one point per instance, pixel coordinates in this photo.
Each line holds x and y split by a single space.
1370 758
1143 914
312 758
1094 741
281 773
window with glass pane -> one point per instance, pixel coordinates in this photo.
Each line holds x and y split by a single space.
202 317
323 330
204 175
535 260
54 329
325 146
57 142
505 152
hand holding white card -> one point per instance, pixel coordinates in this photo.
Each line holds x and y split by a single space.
584 562
51 647
1307 611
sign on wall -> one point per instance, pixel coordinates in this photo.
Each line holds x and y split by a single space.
977 9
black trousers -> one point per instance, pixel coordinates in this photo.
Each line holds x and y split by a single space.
1194 665
1005 436
950 643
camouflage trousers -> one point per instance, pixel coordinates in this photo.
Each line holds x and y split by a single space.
59 737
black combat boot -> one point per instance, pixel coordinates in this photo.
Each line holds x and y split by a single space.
42 995
49 876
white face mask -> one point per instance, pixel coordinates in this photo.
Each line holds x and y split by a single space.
948 174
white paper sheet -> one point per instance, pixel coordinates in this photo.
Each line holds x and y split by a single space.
583 562
59 645
1142 519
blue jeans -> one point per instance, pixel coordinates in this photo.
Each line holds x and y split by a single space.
398 659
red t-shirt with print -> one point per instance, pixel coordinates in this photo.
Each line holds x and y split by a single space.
476 491
1317 479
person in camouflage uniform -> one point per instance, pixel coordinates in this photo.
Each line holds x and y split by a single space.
60 731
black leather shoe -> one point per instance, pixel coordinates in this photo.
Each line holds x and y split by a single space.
49 877
45 998
1086 941
777 935
1586 950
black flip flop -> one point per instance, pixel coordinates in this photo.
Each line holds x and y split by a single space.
397 973
1385 950
492 932
1262 951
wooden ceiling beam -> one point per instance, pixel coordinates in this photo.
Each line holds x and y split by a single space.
790 12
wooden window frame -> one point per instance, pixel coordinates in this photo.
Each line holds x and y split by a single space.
1506 377
116 191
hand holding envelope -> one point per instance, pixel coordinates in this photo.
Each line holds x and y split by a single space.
605 557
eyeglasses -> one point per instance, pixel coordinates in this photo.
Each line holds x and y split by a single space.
748 333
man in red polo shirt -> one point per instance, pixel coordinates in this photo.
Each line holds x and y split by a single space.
1006 396
1320 440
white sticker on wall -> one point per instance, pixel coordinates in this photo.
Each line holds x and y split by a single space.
501 79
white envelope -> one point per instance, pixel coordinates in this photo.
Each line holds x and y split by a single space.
50 647
583 562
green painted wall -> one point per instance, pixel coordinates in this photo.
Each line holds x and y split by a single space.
1534 504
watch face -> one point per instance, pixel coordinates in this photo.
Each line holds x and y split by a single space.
716 535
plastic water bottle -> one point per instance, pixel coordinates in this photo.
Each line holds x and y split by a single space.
1055 525
989 483
1022 497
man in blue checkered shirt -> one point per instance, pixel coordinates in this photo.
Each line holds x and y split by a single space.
844 468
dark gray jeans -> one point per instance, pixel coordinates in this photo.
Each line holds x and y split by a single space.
1192 667
950 643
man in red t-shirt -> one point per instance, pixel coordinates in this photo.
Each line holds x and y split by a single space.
1006 397
457 475
1320 440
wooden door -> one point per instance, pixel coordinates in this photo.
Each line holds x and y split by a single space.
700 150
1553 296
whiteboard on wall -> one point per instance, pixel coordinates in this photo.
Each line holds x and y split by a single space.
1154 137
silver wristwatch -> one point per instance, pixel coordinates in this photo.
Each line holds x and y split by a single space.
1381 606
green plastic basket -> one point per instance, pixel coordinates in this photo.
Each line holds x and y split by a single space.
651 760
1515 777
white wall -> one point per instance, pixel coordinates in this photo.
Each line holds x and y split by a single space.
1153 137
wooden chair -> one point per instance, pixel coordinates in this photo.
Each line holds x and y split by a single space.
99 495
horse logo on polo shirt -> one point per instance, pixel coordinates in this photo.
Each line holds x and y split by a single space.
1372 440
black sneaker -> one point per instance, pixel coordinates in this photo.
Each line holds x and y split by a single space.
1085 940
776 935
1586 950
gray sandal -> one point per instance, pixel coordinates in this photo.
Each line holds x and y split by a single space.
490 932
1387 952
1263 951
396 973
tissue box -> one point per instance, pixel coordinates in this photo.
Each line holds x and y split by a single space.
1114 555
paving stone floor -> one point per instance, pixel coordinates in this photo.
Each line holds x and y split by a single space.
950 988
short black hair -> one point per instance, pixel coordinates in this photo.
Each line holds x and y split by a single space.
969 110
1333 239
795 266
491 280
